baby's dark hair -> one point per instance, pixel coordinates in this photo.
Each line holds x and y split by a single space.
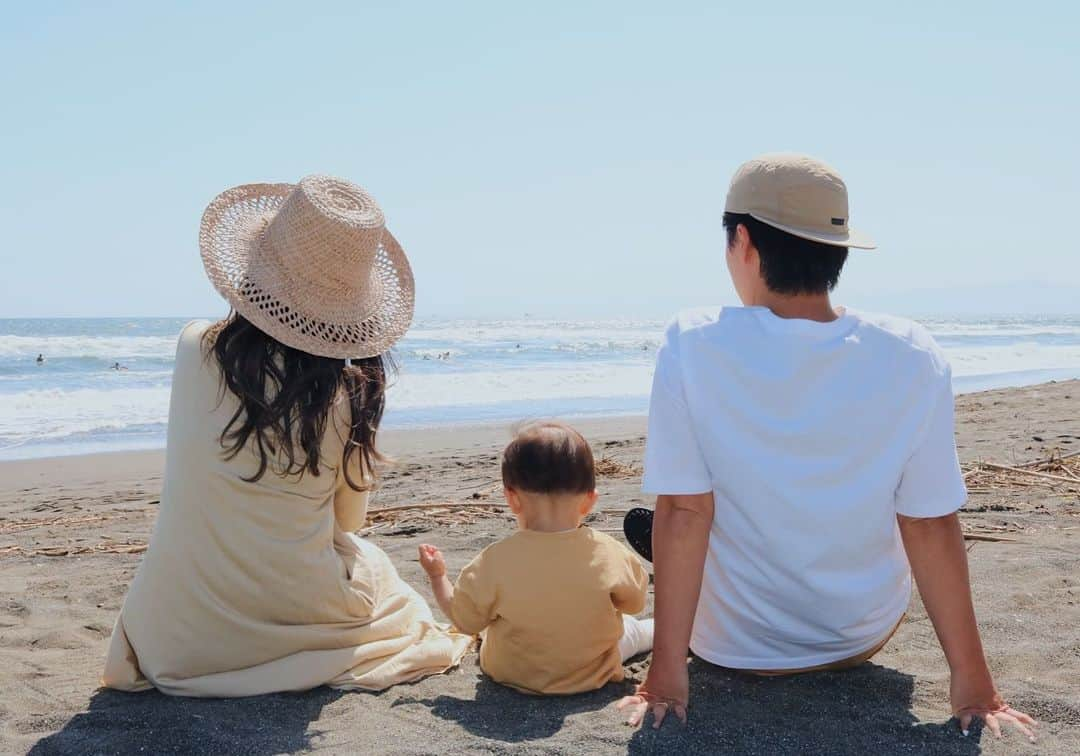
549 458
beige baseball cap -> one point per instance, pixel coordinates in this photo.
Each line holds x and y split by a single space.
797 194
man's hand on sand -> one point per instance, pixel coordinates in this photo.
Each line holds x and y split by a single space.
970 702
431 559
662 693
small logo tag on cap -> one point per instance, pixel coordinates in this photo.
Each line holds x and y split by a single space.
838 221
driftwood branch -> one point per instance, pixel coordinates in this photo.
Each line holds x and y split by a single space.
989 538
435 505
1022 471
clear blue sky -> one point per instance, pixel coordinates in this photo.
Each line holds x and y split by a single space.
555 158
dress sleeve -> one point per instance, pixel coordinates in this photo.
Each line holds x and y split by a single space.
674 463
350 505
932 484
473 606
631 591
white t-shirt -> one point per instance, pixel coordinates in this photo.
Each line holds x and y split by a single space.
812 437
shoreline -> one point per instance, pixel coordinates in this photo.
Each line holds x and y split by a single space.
406 437
398 444
388 435
392 434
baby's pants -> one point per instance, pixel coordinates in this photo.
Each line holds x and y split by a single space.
636 637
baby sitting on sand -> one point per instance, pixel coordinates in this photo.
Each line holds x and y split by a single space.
556 597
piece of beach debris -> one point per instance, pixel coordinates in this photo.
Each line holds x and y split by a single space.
1058 471
988 538
14 526
609 467
62 551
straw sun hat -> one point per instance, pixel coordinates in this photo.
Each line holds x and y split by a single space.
310 264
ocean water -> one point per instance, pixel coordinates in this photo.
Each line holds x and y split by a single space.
451 372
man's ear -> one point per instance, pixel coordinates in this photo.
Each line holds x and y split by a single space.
744 247
512 500
589 502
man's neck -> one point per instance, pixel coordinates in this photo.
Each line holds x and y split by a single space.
801 306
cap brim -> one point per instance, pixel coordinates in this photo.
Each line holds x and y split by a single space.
849 238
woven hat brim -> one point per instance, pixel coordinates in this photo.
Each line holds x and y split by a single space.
230 236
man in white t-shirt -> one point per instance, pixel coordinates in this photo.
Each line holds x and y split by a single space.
803 456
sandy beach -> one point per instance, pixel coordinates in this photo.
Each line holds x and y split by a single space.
72 531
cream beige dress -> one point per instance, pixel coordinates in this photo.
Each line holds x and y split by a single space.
251 588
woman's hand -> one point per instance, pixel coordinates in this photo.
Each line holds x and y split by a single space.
665 691
431 559
975 698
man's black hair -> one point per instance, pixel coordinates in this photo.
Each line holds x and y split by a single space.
789 264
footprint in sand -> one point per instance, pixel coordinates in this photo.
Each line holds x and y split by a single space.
65 639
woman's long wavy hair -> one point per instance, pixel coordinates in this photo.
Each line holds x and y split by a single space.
286 397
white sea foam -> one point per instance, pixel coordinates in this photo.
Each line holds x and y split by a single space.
493 370
548 331
102 347
55 413
485 387
948 328
1012 358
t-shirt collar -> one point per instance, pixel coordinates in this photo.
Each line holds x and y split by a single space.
801 326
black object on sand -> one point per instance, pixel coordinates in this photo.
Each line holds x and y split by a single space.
637 527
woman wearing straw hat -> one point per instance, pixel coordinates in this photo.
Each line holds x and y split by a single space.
254 581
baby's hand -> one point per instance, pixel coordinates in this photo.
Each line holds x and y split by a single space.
431 559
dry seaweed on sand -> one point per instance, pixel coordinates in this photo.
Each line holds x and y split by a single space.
609 467
485 503
432 513
137 547
15 526
1060 472
478 505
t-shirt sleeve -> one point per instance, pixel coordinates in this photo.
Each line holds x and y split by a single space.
473 607
632 588
932 484
674 463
